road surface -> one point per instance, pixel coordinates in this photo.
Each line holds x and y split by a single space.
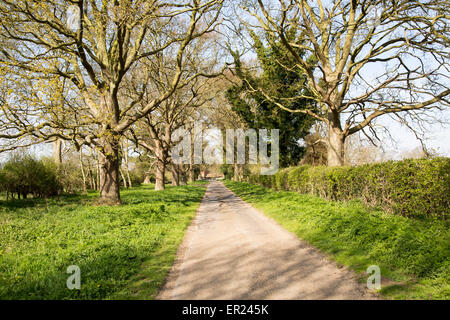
232 251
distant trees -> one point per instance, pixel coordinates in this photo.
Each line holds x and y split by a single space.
219 114
82 51
364 59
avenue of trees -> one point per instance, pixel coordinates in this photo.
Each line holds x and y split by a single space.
67 81
111 81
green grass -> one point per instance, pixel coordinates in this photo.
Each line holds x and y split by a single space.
414 255
123 252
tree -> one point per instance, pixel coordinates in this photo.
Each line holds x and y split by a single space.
220 114
154 132
106 41
279 78
23 175
316 146
365 59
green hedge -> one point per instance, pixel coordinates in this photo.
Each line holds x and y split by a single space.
412 188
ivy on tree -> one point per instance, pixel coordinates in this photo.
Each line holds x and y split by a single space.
279 77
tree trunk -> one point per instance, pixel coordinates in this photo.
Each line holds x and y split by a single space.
94 170
241 172
98 171
57 152
160 175
91 175
147 178
109 174
191 173
191 164
127 168
175 175
91 179
236 172
183 178
124 181
160 167
82 171
335 152
129 178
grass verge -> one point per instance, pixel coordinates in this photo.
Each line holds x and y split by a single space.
123 252
413 255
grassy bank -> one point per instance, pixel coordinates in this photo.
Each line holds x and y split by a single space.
122 252
414 255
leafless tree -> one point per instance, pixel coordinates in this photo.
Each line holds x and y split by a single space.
361 59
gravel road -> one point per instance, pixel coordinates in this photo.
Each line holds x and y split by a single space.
233 251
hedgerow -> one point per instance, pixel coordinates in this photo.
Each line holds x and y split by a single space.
413 254
23 175
411 188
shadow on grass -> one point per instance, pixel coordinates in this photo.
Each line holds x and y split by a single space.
62 200
109 244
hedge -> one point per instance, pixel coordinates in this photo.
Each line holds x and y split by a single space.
412 188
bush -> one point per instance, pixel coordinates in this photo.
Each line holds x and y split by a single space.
24 175
412 188
137 178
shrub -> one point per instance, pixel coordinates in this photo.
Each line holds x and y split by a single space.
281 179
412 188
137 178
24 175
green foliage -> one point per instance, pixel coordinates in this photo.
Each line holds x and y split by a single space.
140 169
40 238
22 175
284 82
414 255
69 176
411 188
137 178
227 170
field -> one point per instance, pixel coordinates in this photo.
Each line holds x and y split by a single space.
413 254
123 252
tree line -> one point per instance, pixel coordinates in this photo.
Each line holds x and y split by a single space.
110 76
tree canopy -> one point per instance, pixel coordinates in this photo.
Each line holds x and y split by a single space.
372 58
278 76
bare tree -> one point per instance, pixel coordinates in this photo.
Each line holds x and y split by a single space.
154 131
220 114
361 59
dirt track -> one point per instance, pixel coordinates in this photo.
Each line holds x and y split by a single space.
232 251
